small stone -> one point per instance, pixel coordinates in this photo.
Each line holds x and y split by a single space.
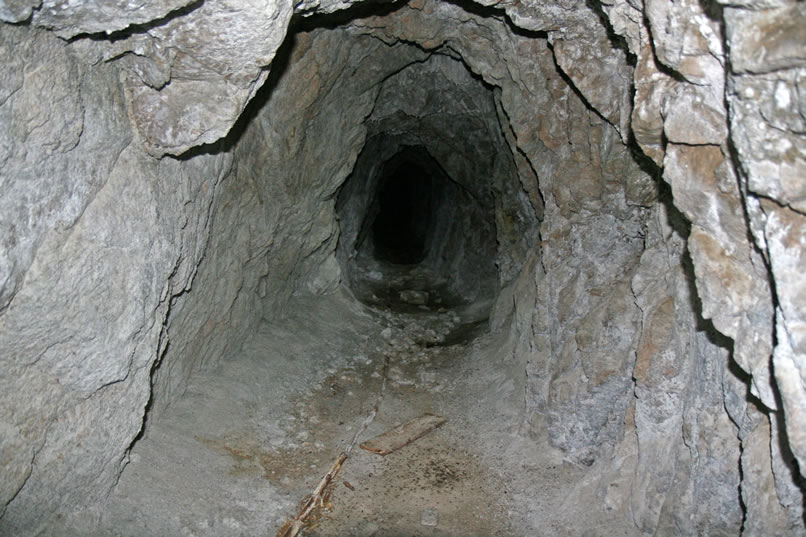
413 297
327 278
429 517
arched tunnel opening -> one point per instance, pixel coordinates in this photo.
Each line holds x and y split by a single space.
426 268
405 232
406 203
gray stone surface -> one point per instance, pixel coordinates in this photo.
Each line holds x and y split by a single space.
103 235
766 111
767 40
188 80
17 10
653 306
69 19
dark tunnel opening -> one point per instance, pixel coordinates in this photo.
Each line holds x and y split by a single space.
405 206
433 207
407 225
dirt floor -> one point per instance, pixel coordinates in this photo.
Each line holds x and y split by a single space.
249 442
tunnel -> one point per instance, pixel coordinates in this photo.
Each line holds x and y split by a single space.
405 206
407 226
403 219
402 268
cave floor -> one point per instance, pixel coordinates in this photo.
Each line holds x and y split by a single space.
239 452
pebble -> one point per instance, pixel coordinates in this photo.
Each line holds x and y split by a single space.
414 297
429 517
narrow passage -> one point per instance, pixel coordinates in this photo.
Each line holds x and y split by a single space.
249 441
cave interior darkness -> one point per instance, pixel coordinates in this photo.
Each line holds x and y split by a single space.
407 202
412 230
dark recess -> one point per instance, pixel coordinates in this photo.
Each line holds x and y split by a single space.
404 215
405 207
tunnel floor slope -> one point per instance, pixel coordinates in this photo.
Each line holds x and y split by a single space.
250 441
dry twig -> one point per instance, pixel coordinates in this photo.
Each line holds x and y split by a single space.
319 497
292 526
403 435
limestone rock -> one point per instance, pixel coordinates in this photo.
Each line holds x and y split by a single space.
766 515
17 10
677 475
687 39
600 72
651 89
69 19
122 274
695 116
186 113
71 394
786 236
626 20
327 278
51 117
768 40
185 90
772 151
102 234
660 367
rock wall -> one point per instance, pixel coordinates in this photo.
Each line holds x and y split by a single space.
274 224
96 243
658 148
712 60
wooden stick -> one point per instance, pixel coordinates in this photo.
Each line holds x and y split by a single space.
292 527
403 435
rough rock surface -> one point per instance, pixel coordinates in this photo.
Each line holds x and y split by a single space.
107 238
654 303
767 68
